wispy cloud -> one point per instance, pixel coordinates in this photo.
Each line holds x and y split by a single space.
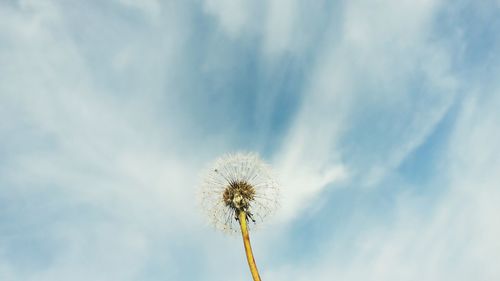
375 95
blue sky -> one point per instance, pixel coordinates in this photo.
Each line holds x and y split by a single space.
380 120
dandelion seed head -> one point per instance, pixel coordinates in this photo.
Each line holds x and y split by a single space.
238 182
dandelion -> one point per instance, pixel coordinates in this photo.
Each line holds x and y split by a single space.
238 188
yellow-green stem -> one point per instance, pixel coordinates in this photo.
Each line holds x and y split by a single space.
242 216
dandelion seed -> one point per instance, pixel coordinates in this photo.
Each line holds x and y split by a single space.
239 187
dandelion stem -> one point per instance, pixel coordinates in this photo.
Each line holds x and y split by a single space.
242 217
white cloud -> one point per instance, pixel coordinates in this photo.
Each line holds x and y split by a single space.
449 233
73 139
382 49
455 238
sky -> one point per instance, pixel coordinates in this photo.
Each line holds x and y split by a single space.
379 118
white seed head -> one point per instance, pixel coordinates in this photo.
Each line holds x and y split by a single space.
238 182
